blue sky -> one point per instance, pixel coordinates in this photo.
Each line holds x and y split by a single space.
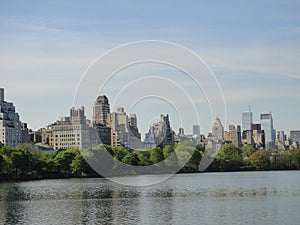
252 47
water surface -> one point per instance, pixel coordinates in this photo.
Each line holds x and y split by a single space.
209 198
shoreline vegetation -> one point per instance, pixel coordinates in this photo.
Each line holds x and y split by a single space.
26 163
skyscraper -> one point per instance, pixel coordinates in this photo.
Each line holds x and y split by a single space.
234 135
295 136
247 120
258 136
124 130
266 121
1 95
100 110
181 131
10 124
281 136
218 129
196 131
162 132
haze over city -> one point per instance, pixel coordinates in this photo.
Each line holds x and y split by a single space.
150 112
252 48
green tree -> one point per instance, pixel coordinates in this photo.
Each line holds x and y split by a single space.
184 152
119 152
193 163
156 155
79 165
229 158
130 159
296 155
64 159
285 160
2 162
143 157
167 151
21 161
247 150
260 159
6 165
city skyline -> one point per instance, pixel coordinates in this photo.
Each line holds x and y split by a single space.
252 48
101 111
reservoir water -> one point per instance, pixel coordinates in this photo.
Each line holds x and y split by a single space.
207 198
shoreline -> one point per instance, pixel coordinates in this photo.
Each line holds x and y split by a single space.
19 178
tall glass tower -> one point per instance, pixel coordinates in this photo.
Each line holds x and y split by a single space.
266 121
196 131
247 120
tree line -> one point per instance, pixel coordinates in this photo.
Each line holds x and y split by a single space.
27 162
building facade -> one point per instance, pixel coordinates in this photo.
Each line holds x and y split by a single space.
258 136
234 135
196 131
295 136
162 132
24 133
266 121
10 124
69 132
124 130
218 130
281 136
247 120
100 110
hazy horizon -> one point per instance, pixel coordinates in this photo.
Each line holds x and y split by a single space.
251 47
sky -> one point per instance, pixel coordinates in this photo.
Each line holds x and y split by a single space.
251 47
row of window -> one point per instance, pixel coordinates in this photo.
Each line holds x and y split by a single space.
66 139
68 144
67 135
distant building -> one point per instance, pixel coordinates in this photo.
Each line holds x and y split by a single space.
10 124
162 132
281 137
233 135
68 132
295 136
181 131
218 129
196 131
35 136
124 130
247 120
266 121
247 137
149 141
24 133
258 136
104 134
100 110
212 143
44 148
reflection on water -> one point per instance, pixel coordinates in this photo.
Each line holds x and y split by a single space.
212 198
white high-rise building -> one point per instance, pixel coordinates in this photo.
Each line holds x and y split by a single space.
196 131
281 136
218 130
266 121
247 120
10 124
